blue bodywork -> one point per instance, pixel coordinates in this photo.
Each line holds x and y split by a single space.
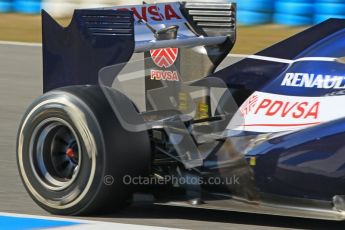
306 164
309 163
252 75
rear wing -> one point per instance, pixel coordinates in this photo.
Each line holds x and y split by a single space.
101 37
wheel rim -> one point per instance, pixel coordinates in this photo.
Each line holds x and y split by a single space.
55 154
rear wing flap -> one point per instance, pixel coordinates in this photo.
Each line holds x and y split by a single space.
101 37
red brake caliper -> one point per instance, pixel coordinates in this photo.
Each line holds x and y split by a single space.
70 152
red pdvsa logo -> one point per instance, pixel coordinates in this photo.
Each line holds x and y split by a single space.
164 57
248 106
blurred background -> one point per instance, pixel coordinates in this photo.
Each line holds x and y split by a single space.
261 22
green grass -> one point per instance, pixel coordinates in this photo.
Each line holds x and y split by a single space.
27 28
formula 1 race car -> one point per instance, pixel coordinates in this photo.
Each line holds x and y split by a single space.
134 103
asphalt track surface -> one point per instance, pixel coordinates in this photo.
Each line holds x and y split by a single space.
20 83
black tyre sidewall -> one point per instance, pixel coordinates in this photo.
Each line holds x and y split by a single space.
105 144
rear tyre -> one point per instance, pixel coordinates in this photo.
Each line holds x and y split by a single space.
73 153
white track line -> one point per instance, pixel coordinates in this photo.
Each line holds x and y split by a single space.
87 224
110 226
20 43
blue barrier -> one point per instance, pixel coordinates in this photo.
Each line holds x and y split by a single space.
27 6
323 17
250 12
256 5
5 6
292 20
302 1
296 8
253 18
330 1
329 8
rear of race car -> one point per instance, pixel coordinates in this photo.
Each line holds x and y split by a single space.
74 142
133 103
